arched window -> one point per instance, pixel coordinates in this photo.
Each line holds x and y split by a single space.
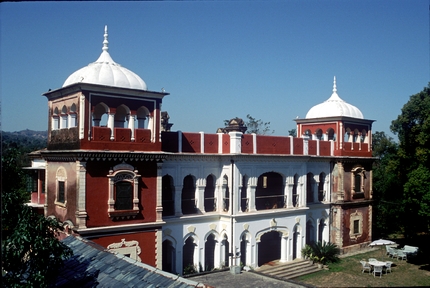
295 191
55 119
331 135
319 134
358 176
122 116
269 193
64 118
168 200
321 190
310 184
310 232
356 137
100 114
243 195
72 116
61 185
363 136
348 135
308 133
209 194
188 195
142 118
123 191
226 194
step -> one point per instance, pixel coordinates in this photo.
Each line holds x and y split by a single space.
289 270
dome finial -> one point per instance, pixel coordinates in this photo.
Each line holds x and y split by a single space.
334 85
105 42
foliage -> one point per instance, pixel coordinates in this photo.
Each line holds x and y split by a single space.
325 252
255 126
413 129
190 269
387 189
30 251
306 251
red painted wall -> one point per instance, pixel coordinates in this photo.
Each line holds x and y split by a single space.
273 145
146 243
247 144
191 142
211 143
97 185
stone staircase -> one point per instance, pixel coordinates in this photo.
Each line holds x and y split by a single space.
288 270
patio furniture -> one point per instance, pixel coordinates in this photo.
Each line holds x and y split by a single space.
377 269
401 255
372 260
393 252
410 250
365 266
388 266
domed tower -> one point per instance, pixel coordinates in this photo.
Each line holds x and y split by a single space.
101 104
351 191
104 158
341 122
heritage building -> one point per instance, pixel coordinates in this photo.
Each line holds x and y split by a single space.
116 174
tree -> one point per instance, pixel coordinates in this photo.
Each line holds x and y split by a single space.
31 253
387 190
413 129
292 132
255 126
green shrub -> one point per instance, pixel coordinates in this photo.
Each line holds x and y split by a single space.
325 252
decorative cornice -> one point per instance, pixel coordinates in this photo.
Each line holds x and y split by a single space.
80 155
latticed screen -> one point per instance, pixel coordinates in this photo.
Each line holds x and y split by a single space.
124 196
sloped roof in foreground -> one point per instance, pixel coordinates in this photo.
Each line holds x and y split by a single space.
93 266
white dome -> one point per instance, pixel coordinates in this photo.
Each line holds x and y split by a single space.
334 106
106 72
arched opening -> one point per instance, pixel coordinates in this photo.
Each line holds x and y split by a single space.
310 183
321 190
308 133
209 194
269 193
319 134
100 115
269 248
348 135
321 227
72 116
64 118
295 192
122 116
210 253
243 195
168 257
188 256
310 232
226 194
168 197
356 137
331 135
296 244
188 204
55 119
142 117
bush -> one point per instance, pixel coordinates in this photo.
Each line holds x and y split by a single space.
325 252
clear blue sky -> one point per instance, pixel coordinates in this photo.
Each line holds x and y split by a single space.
219 60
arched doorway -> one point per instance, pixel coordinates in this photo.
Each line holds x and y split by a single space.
269 193
225 248
188 255
310 232
210 253
269 248
168 257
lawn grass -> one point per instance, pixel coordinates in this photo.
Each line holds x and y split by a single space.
347 273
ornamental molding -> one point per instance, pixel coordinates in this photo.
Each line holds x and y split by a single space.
79 155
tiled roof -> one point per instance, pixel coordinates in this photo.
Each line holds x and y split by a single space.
93 266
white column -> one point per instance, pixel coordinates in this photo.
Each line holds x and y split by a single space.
202 142
290 195
110 124
284 249
235 142
251 193
131 125
200 192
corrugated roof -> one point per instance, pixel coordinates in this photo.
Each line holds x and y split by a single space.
93 266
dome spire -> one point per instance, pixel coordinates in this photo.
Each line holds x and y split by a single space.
334 85
105 42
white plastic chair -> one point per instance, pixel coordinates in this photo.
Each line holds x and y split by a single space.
401 255
377 269
388 266
365 266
